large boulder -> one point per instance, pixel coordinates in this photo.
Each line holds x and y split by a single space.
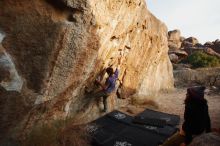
215 45
176 56
208 44
191 45
192 40
202 76
210 51
59 47
174 35
174 39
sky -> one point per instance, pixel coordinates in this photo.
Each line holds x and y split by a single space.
198 18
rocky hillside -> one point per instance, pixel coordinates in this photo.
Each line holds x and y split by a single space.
180 47
185 74
59 47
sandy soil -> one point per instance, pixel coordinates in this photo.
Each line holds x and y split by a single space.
173 102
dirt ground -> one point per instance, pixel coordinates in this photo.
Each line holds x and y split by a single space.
173 103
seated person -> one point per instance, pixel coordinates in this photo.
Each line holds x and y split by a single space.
196 118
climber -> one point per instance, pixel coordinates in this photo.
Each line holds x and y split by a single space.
109 85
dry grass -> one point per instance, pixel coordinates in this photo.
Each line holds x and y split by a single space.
138 104
57 133
146 102
74 136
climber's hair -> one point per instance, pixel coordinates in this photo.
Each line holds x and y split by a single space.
109 71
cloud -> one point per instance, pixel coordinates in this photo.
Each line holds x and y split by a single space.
197 18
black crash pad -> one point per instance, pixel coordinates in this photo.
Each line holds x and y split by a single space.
132 136
150 121
129 120
172 120
117 128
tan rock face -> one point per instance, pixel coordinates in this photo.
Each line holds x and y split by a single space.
60 46
174 40
135 37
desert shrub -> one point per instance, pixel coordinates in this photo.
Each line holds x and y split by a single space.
200 59
57 133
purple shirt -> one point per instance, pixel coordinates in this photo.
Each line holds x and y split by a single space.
110 82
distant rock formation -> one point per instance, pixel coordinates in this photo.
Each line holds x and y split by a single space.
174 40
202 76
181 47
189 42
215 45
59 47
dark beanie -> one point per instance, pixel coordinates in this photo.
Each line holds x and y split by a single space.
196 92
109 70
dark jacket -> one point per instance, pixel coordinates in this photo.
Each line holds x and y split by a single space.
196 118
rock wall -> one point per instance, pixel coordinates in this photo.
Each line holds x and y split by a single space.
59 47
9 77
203 76
140 39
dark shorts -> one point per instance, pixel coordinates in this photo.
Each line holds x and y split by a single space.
100 94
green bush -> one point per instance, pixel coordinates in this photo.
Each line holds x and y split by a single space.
200 59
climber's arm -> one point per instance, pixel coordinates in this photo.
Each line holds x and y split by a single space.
101 85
